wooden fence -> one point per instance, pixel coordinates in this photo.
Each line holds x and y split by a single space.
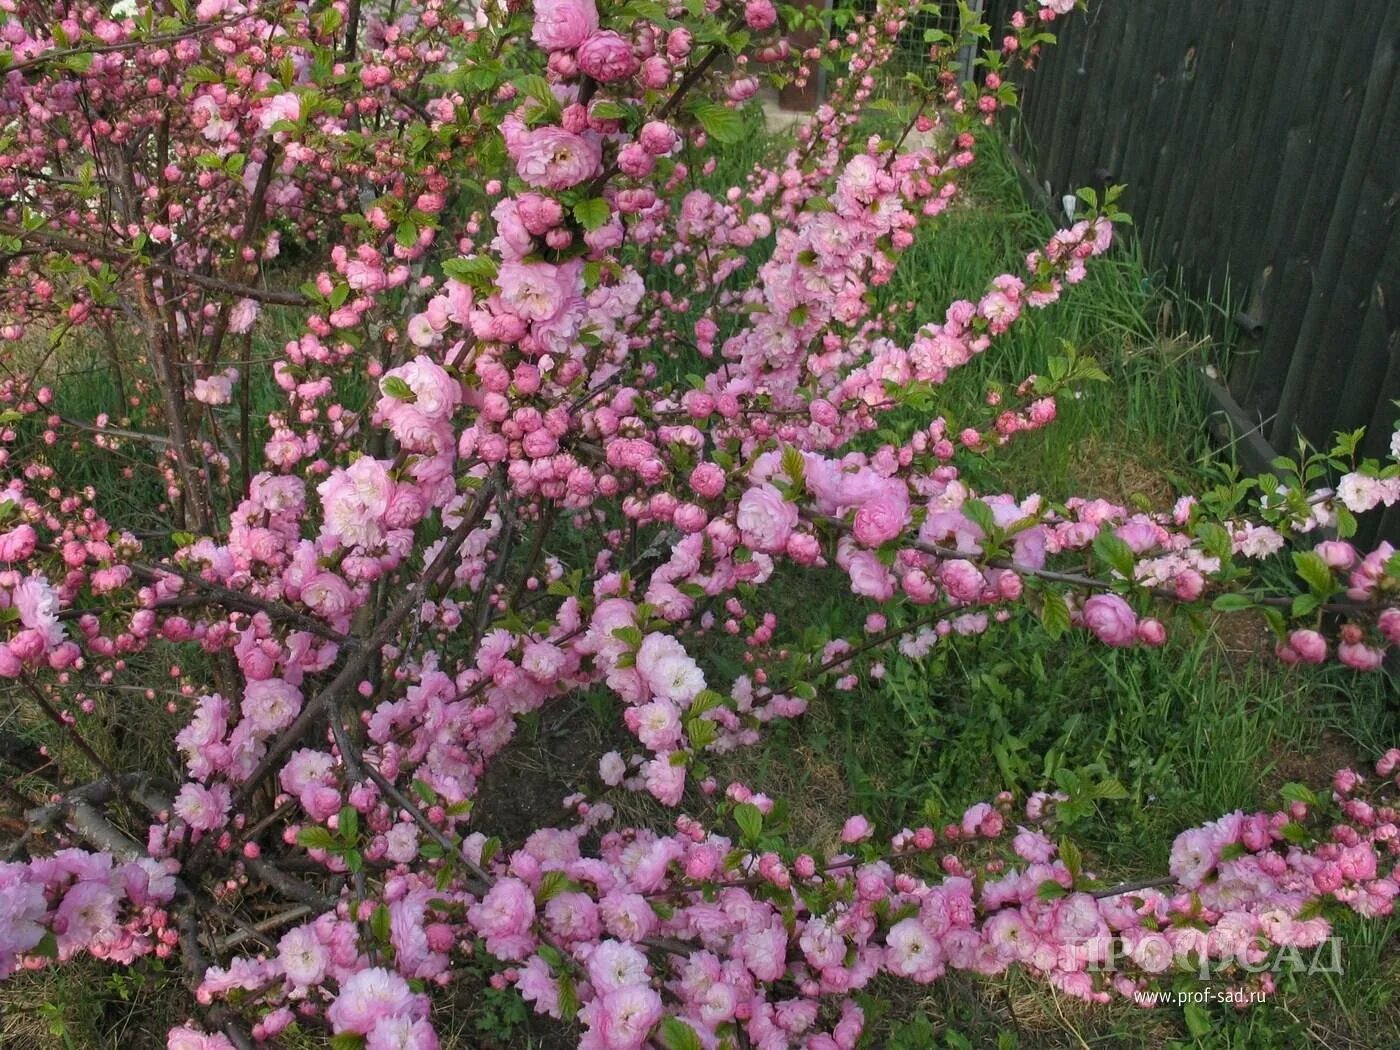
1259 141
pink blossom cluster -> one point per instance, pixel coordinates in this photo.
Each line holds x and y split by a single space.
79 901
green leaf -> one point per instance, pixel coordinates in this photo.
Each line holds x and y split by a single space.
1050 890
1304 605
1314 572
536 87
607 109
393 386
630 636
720 122
701 732
552 883
1114 553
347 1041
1073 858
675 1034
47 948
705 700
750 820
379 924
1232 603
592 213
406 234
1110 789
1054 614
1198 1021
977 512
349 824
794 466
316 837
471 268
569 1005
1294 792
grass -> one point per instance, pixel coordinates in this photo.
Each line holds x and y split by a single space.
1199 728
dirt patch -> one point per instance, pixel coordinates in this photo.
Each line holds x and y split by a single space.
547 761
1244 638
1314 767
1132 477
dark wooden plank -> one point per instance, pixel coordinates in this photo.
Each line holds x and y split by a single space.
1258 150
1301 216
1192 203
1352 250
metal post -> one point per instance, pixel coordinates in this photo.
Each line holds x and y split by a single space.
968 60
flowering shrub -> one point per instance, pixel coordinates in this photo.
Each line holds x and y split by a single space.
551 417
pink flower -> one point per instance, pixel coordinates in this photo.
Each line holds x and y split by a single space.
1360 657
607 57
562 25
668 669
622 1019
1309 645
613 965
434 393
883 516
202 808
1111 620
187 1037
555 159
270 705
328 596
856 829
402 1033
533 291
657 137
1193 855
765 519
1388 623
611 769
962 579
504 917
665 780
911 952
366 997
354 502
215 390
302 956
242 316
37 605
869 577
286 106
18 543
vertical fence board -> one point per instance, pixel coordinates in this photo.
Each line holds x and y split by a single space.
1259 141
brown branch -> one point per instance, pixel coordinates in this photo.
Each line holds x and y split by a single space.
156 39
243 602
78 246
1074 579
133 435
355 667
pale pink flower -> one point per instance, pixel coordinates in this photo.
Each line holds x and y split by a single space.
555 159
765 519
366 997
562 25
1111 620
302 956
